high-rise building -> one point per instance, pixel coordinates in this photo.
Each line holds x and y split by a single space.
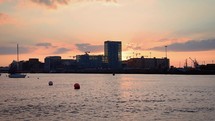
113 53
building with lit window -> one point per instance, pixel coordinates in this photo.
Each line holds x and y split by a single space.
87 61
153 64
113 54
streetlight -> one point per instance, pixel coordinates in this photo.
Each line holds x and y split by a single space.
166 50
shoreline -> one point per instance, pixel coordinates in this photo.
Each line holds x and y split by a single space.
153 73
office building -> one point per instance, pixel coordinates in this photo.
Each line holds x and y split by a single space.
87 61
32 65
113 54
52 63
155 64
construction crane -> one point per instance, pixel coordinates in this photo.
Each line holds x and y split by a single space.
137 54
144 56
195 63
87 52
185 64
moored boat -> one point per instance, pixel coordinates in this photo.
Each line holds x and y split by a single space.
17 75
14 68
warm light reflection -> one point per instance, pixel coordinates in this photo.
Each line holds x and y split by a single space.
126 85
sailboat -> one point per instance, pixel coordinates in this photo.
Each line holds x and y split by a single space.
14 68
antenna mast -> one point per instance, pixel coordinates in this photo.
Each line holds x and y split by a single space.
166 50
17 52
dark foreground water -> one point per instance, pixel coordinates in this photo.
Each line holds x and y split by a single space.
107 97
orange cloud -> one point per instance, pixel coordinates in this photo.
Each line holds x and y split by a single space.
6 19
1 1
49 46
193 45
53 4
84 47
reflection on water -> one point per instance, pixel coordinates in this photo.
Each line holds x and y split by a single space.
107 97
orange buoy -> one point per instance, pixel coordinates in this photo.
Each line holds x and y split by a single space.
76 86
50 83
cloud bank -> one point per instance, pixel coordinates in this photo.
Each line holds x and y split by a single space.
204 45
51 3
5 19
46 45
88 47
13 50
55 3
61 50
57 50
133 46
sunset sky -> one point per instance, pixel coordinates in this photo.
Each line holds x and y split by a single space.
70 27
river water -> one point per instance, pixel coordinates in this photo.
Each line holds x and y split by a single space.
106 97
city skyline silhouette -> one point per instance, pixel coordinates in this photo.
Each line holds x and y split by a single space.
67 28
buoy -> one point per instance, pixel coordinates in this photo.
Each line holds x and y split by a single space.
50 83
76 86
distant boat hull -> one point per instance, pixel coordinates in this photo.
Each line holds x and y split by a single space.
17 75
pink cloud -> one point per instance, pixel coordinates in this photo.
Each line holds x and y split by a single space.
132 46
6 19
1 1
54 4
48 46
